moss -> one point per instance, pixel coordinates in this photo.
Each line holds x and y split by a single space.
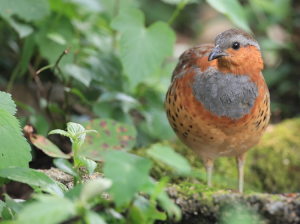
272 166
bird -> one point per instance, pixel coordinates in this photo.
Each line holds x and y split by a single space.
218 103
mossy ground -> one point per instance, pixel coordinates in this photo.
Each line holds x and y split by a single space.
272 166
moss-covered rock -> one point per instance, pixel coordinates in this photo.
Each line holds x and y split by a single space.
272 166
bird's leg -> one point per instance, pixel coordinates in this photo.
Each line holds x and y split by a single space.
209 164
240 160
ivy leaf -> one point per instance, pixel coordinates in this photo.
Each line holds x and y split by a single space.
169 157
142 49
124 169
233 10
90 164
14 150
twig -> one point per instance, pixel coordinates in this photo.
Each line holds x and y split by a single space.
37 79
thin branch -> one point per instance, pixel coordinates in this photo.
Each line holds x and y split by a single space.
37 79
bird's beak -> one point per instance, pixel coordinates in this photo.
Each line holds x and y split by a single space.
217 53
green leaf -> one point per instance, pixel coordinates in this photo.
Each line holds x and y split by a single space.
23 30
93 218
128 173
60 132
11 203
233 10
29 10
14 150
142 49
47 210
2 205
48 147
56 37
175 2
7 103
31 177
65 166
168 156
90 164
93 188
27 52
90 5
75 130
77 93
111 135
145 212
83 75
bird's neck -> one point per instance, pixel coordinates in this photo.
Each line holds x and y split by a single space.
244 64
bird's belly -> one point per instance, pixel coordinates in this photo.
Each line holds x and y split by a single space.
210 134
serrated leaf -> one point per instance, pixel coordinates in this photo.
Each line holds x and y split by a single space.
31 177
83 75
90 164
29 10
47 210
128 173
14 149
65 166
74 129
93 188
168 156
7 103
60 132
142 49
111 135
233 10
48 147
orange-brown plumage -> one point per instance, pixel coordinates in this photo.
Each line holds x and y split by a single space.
200 103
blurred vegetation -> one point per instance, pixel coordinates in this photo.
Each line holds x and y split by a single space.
111 71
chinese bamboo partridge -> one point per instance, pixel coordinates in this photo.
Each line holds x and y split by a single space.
218 102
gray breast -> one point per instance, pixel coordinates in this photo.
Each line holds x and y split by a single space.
225 94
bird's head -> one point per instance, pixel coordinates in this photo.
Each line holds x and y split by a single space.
236 52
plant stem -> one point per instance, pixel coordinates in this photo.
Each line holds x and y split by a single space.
180 6
13 77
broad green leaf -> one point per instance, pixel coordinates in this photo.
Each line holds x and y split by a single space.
7 103
90 164
233 10
65 166
128 173
142 49
168 156
83 75
111 135
14 150
143 211
47 210
27 52
48 147
23 30
56 37
29 10
93 188
93 218
8 214
31 177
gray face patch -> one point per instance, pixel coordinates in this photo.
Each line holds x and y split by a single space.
227 95
228 37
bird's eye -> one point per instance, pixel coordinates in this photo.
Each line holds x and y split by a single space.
236 45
